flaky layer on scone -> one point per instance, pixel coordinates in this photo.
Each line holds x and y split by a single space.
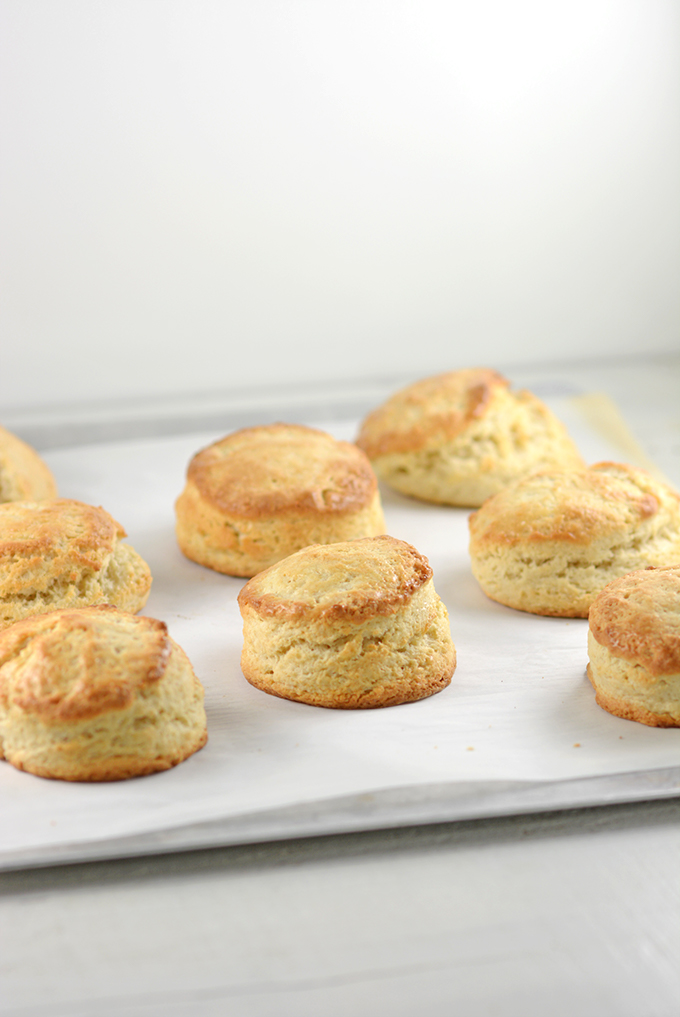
96 694
350 625
23 474
549 543
262 493
460 437
63 553
634 646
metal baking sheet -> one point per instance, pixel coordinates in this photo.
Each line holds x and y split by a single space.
517 731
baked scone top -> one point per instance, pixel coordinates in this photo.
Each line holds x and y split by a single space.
576 506
637 617
279 468
354 579
430 411
74 665
41 542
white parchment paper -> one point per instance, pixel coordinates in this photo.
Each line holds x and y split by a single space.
519 706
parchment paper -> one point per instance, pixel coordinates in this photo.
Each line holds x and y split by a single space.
519 706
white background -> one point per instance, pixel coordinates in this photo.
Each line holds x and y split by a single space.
209 195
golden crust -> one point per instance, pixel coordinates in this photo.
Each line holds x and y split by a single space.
575 506
348 625
262 493
460 437
550 542
64 553
66 681
23 474
96 694
637 618
282 468
357 580
430 411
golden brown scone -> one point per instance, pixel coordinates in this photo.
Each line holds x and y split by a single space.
96 694
458 438
262 493
634 646
550 542
356 624
64 553
23 474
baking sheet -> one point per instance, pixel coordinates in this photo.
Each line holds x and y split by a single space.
518 728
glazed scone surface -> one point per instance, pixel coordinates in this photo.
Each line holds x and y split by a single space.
64 553
96 694
23 474
634 646
262 493
550 542
349 625
460 437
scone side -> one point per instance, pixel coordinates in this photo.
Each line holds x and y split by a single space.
241 546
350 666
628 690
562 583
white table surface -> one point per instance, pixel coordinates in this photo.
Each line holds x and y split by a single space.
571 912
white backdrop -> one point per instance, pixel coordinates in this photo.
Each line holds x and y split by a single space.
207 194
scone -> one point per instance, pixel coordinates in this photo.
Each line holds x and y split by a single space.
64 553
634 646
23 474
262 493
549 543
458 438
356 624
96 694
